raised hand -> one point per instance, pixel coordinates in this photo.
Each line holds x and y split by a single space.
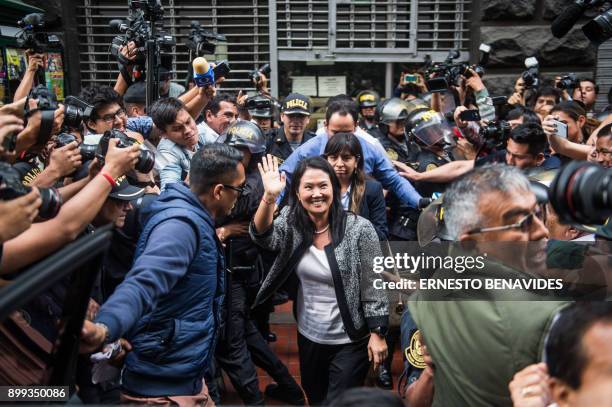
273 181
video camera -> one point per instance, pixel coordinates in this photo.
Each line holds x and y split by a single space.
139 29
582 193
201 41
33 35
448 73
495 133
598 30
11 187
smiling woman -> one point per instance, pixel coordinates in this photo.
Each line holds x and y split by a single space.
326 255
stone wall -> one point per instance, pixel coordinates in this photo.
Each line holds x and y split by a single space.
517 29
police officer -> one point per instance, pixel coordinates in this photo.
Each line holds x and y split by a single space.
242 346
261 110
394 114
367 100
295 116
423 149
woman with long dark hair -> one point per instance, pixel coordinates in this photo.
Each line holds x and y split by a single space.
360 195
325 260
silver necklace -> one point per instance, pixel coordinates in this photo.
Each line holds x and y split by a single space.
318 232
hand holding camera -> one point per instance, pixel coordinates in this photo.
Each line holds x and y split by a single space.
35 61
65 160
474 81
10 126
119 158
17 215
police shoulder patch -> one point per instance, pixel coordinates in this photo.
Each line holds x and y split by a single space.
392 154
430 167
413 353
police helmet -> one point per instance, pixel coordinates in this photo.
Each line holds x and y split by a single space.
244 133
392 110
367 98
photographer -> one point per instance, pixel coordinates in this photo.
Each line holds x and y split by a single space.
545 99
587 94
44 238
108 112
35 62
167 88
29 117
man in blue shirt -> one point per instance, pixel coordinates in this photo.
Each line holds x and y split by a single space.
342 116
168 307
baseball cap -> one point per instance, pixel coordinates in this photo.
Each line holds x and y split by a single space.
136 93
296 103
125 191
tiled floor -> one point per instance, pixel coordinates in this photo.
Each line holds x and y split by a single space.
286 348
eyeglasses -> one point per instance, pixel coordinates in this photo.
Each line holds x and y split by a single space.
240 189
109 118
524 224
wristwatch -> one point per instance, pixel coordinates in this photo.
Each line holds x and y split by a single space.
380 331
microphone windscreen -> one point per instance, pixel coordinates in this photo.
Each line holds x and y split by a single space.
200 66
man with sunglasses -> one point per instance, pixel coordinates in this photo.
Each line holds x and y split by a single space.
493 210
169 305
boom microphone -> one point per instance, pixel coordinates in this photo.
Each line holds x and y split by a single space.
566 20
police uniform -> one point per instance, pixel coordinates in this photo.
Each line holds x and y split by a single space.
278 145
241 345
364 125
403 222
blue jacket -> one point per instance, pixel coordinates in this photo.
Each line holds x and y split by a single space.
169 304
375 163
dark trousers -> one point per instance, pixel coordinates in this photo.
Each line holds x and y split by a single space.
329 370
243 347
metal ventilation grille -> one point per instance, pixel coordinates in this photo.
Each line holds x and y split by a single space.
302 24
384 24
443 25
243 22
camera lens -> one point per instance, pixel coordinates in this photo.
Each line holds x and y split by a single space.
582 192
88 151
64 139
51 203
73 116
146 161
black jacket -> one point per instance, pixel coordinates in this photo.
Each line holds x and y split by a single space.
373 208
278 146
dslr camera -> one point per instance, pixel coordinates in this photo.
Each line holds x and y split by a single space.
146 160
255 75
33 35
76 111
495 133
568 82
87 151
531 77
11 187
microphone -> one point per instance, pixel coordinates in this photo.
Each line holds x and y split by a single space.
116 25
566 20
203 74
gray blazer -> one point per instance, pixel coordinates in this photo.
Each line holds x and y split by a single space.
362 307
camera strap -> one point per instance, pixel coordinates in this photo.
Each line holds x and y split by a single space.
46 126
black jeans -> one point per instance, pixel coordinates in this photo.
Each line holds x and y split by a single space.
244 347
329 370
